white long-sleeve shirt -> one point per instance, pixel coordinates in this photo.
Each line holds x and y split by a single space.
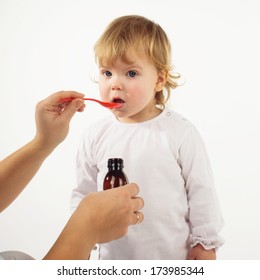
166 157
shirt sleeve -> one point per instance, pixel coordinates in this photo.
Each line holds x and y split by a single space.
86 172
204 210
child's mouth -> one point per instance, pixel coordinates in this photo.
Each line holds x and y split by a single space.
118 100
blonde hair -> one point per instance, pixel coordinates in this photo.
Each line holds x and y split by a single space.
140 35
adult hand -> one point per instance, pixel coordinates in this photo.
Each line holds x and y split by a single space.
53 117
100 217
112 211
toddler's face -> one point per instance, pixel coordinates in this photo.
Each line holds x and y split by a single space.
134 85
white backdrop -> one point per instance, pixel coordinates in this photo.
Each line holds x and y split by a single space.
47 46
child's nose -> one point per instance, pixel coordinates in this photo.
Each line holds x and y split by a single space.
116 84
116 87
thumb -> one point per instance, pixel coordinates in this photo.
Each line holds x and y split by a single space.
73 107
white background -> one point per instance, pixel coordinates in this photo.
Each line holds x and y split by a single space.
47 46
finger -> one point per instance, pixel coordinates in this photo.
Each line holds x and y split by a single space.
140 217
137 203
56 99
132 189
136 218
67 94
73 107
82 108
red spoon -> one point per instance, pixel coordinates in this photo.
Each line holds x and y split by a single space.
109 105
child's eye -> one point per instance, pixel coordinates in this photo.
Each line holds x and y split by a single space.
131 73
107 73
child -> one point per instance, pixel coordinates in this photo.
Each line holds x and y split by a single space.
162 152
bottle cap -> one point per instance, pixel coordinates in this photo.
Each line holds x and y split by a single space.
115 163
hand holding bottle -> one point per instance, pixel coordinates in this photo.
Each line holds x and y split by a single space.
118 208
100 217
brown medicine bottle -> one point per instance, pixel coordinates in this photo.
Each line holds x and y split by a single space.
115 176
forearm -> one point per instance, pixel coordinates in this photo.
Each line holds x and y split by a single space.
18 169
75 241
206 219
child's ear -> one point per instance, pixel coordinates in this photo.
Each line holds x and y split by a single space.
162 79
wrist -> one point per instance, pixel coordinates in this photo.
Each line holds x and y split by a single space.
86 222
42 147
